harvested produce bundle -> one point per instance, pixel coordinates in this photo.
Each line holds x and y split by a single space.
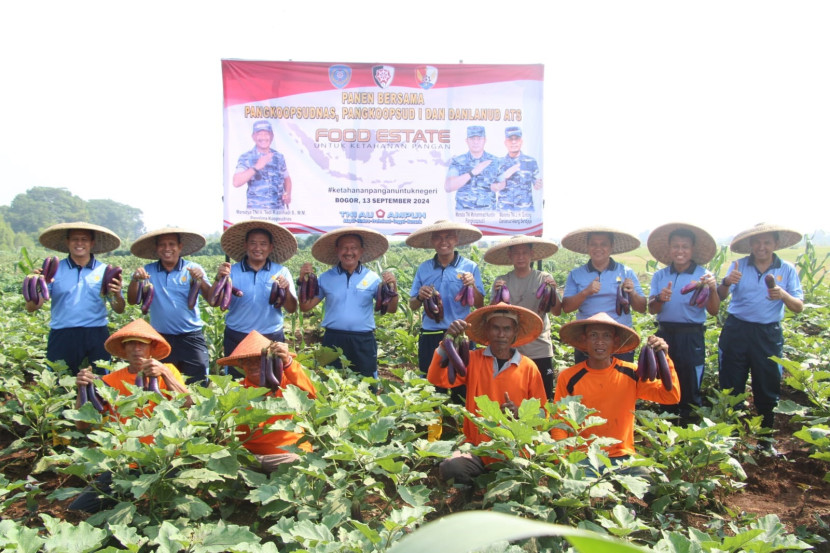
547 295
270 369
458 354
466 296
384 296
35 288
434 306
89 393
309 287
623 304
110 273
50 268
277 295
151 384
147 293
221 293
193 292
651 364
500 295
700 293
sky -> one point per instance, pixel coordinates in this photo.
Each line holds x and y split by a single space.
712 112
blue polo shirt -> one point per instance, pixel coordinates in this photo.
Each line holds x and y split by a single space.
252 311
169 313
750 300
677 309
76 295
350 299
606 299
446 281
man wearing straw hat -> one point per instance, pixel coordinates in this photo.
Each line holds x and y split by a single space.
267 447
497 371
78 326
259 247
447 272
606 383
171 276
141 347
752 332
592 288
522 283
684 249
349 289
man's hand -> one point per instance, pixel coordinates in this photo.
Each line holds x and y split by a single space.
467 279
223 271
657 344
306 269
389 278
734 275
263 161
281 349
457 327
196 273
509 406
592 288
85 377
477 170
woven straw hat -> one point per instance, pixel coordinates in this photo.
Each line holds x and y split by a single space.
55 236
577 241
703 250
233 240
139 328
530 324
540 249
250 346
375 245
573 333
422 238
786 237
145 246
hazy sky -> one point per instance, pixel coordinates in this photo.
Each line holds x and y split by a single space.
712 112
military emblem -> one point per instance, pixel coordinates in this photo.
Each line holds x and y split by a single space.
380 214
426 76
383 75
340 75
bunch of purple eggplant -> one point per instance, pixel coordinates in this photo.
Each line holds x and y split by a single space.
35 286
700 293
384 295
111 273
500 295
547 296
309 287
277 296
651 364
434 307
221 292
144 294
89 393
270 369
193 292
623 303
458 356
150 384
466 296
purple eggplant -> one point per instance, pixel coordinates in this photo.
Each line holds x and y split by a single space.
663 369
193 292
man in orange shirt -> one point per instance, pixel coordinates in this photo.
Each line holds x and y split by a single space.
607 384
267 446
497 371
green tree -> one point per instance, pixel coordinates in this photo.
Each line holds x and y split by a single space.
123 220
42 206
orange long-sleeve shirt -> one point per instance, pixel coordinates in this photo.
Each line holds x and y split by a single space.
613 392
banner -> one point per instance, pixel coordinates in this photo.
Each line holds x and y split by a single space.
318 146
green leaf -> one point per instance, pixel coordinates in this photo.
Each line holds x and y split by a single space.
191 506
67 538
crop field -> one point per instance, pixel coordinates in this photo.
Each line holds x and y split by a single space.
371 479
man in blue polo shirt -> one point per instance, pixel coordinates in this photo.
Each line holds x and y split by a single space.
592 288
447 272
752 332
259 247
78 326
349 289
684 249
170 276
473 176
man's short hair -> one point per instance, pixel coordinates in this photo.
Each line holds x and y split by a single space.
682 233
259 231
90 232
337 242
176 234
610 236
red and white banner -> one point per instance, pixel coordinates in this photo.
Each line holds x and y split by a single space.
393 147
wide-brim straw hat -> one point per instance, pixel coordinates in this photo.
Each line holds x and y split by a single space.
703 251
530 324
324 249
422 238
55 237
540 249
577 241
786 237
573 333
251 346
145 246
233 240
139 328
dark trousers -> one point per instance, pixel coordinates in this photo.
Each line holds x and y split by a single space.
188 352
75 344
428 342
744 348
687 349
360 348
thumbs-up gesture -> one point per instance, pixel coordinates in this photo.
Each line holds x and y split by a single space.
593 288
508 405
734 275
665 293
